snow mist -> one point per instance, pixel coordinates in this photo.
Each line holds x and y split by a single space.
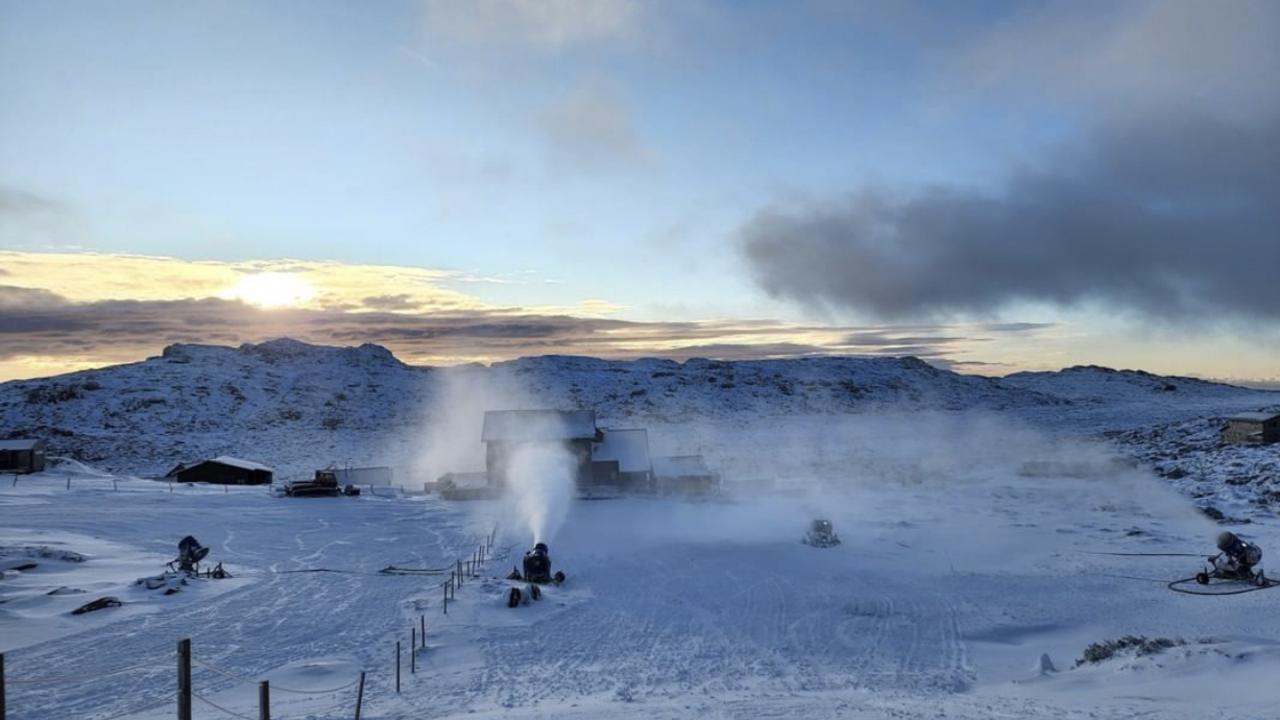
541 487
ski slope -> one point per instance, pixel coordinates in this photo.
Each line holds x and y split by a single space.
958 570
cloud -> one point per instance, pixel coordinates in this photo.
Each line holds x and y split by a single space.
67 335
402 301
1163 202
545 25
1176 221
1133 57
590 128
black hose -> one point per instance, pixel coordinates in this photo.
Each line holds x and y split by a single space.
1174 587
1137 554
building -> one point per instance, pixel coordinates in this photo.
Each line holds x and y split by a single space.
365 476
21 456
224 470
1252 428
621 459
684 474
506 432
463 486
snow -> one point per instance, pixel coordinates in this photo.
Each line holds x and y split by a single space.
967 585
18 444
238 463
680 466
1257 417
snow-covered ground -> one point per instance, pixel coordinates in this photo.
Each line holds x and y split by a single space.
966 557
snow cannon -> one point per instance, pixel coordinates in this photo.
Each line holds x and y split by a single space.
537 567
821 534
190 553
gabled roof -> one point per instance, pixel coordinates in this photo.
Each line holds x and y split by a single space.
1259 417
681 466
20 444
242 464
630 447
538 425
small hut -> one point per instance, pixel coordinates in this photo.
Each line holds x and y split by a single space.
21 455
684 474
1252 428
224 470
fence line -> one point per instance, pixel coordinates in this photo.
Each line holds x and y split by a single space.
461 570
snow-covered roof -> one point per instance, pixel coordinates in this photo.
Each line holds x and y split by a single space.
680 466
535 425
19 444
242 464
1258 417
630 447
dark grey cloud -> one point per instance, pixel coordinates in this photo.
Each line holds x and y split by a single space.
1176 219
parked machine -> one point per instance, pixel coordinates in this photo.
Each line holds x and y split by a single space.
536 571
821 534
325 483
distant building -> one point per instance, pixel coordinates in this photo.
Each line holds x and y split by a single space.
364 476
507 431
224 470
683 474
622 459
21 456
463 486
1252 428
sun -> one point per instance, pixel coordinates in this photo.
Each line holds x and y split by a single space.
271 290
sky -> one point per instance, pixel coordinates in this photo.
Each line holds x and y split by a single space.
991 186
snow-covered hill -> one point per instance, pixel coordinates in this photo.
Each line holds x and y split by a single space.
297 406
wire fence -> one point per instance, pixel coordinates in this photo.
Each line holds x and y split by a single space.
460 572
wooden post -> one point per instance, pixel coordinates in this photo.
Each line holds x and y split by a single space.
170 486
184 679
114 486
68 482
2 686
264 701
397 667
459 571
360 695
413 651
422 623
446 595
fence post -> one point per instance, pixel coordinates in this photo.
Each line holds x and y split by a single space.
264 700
115 487
459 572
1 686
360 695
422 622
446 595
184 679
68 482
397 667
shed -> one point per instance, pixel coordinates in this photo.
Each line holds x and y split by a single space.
22 455
507 431
1252 428
224 470
622 458
683 474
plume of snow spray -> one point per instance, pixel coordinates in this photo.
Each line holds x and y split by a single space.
541 484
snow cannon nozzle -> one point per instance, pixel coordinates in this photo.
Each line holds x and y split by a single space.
1226 540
